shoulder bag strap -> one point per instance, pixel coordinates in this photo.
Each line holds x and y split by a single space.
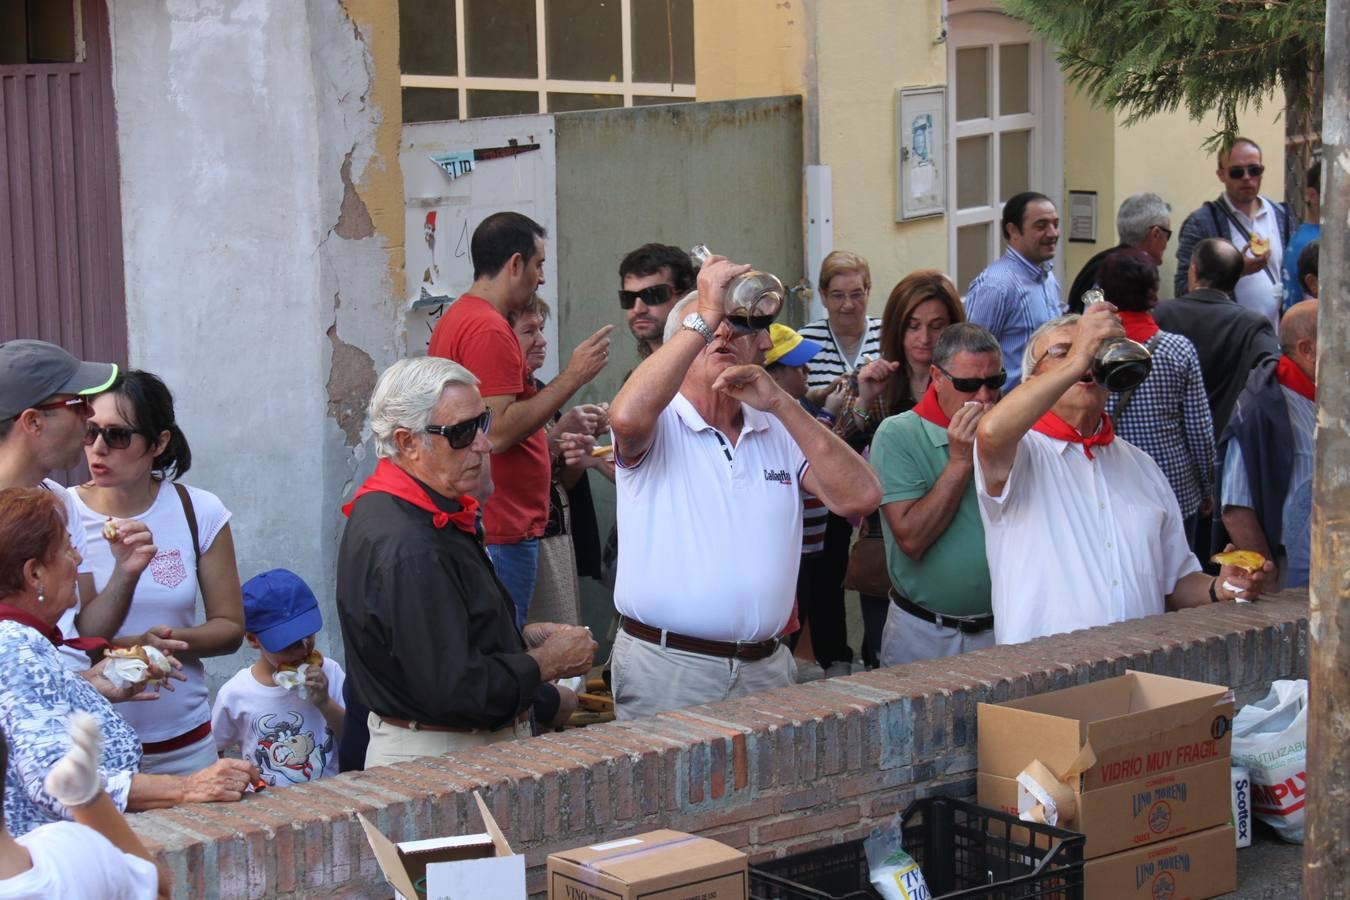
1247 235
191 514
1126 396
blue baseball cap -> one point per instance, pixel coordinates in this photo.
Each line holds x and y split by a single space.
280 609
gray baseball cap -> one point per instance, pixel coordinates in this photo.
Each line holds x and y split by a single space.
32 371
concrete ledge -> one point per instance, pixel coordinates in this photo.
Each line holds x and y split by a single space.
772 774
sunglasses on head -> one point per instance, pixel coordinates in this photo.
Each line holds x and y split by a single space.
115 436
971 385
1254 171
461 434
650 296
747 324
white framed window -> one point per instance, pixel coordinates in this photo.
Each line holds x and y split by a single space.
1004 120
463 59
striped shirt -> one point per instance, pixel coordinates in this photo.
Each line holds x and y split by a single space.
1168 418
1013 297
1296 516
830 362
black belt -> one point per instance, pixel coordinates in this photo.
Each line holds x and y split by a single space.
967 624
744 650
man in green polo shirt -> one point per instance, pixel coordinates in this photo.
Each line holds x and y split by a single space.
940 597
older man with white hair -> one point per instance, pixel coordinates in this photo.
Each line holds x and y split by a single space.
712 456
1144 222
432 646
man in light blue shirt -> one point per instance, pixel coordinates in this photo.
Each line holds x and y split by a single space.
1018 293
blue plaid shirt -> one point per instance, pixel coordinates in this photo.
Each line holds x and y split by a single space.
1168 418
1013 297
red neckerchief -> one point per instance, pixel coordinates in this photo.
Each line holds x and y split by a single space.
50 632
1053 426
1139 326
1291 376
390 479
929 408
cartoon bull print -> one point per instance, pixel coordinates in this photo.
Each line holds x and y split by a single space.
287 753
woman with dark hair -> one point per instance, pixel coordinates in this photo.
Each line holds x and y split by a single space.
39 694
136 453
919 307
1167 415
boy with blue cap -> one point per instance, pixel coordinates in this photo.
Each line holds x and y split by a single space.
284 713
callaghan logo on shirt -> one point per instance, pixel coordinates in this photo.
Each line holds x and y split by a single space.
779 475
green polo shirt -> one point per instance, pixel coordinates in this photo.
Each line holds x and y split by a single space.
909 453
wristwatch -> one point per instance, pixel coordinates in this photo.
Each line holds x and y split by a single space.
694 322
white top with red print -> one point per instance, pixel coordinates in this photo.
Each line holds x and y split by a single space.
165 595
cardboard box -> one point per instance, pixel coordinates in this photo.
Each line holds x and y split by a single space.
658 865
1111 731
1195 866
1144 811
471 867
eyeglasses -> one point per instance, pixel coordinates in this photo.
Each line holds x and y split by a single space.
115 436
77 404
1253 171
1054 351
749 324
650 296
971 385
461 434
1166 232
858 296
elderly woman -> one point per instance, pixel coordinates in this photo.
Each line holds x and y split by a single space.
920 306
1167 415
39 694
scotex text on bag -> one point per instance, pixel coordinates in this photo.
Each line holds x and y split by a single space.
1270 738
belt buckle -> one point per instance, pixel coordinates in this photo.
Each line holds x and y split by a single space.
740 648
414 726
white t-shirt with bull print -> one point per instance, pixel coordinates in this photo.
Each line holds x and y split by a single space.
284 736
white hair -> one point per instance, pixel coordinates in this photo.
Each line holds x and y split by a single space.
407 393
1028 352
677 314
1138 214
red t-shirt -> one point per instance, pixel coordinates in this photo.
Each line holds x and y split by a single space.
475 335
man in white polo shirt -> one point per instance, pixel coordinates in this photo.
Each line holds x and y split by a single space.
712 456
1081 529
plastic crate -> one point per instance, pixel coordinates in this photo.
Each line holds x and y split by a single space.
965 851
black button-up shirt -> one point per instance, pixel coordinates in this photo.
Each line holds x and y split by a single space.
428 628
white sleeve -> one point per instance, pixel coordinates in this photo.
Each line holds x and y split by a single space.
62 847
212 515
336 679
222 721
993 507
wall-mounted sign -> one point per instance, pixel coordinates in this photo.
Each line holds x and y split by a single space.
1083 217
920 139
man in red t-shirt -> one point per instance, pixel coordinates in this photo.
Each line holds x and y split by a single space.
507 250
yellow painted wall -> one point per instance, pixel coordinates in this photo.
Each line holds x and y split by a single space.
750 48
1089 165
862 57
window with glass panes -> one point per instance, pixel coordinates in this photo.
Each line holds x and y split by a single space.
464 59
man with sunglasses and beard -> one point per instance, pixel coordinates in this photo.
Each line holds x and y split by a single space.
711 457
940 602
45 396
1081 529
1256 225
653 277
432 646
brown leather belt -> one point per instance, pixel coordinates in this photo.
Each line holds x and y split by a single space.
422 726
744 650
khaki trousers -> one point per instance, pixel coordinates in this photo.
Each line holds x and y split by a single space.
390 744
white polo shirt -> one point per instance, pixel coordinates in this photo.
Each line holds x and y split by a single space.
1074 542
1261 291
711 533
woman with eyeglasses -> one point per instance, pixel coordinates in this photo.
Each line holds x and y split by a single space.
136 454
1167 415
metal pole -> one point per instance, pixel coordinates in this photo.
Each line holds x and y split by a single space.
1326 851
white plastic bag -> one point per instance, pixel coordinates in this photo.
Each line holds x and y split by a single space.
894 873
1270 738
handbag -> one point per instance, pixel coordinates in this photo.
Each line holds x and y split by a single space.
867 572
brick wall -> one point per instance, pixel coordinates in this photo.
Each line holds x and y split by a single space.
773 774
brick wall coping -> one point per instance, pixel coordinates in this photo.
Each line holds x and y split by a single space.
772 774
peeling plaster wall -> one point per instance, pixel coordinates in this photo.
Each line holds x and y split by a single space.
262 213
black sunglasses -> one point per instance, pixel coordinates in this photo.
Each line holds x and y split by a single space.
115 436
650 296
461 434
1255 171
971 385
745 324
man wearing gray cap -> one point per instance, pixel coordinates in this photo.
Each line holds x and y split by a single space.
44 404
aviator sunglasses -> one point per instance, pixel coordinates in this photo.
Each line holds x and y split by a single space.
971 385
650 296
1254 171
115 436
461 434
